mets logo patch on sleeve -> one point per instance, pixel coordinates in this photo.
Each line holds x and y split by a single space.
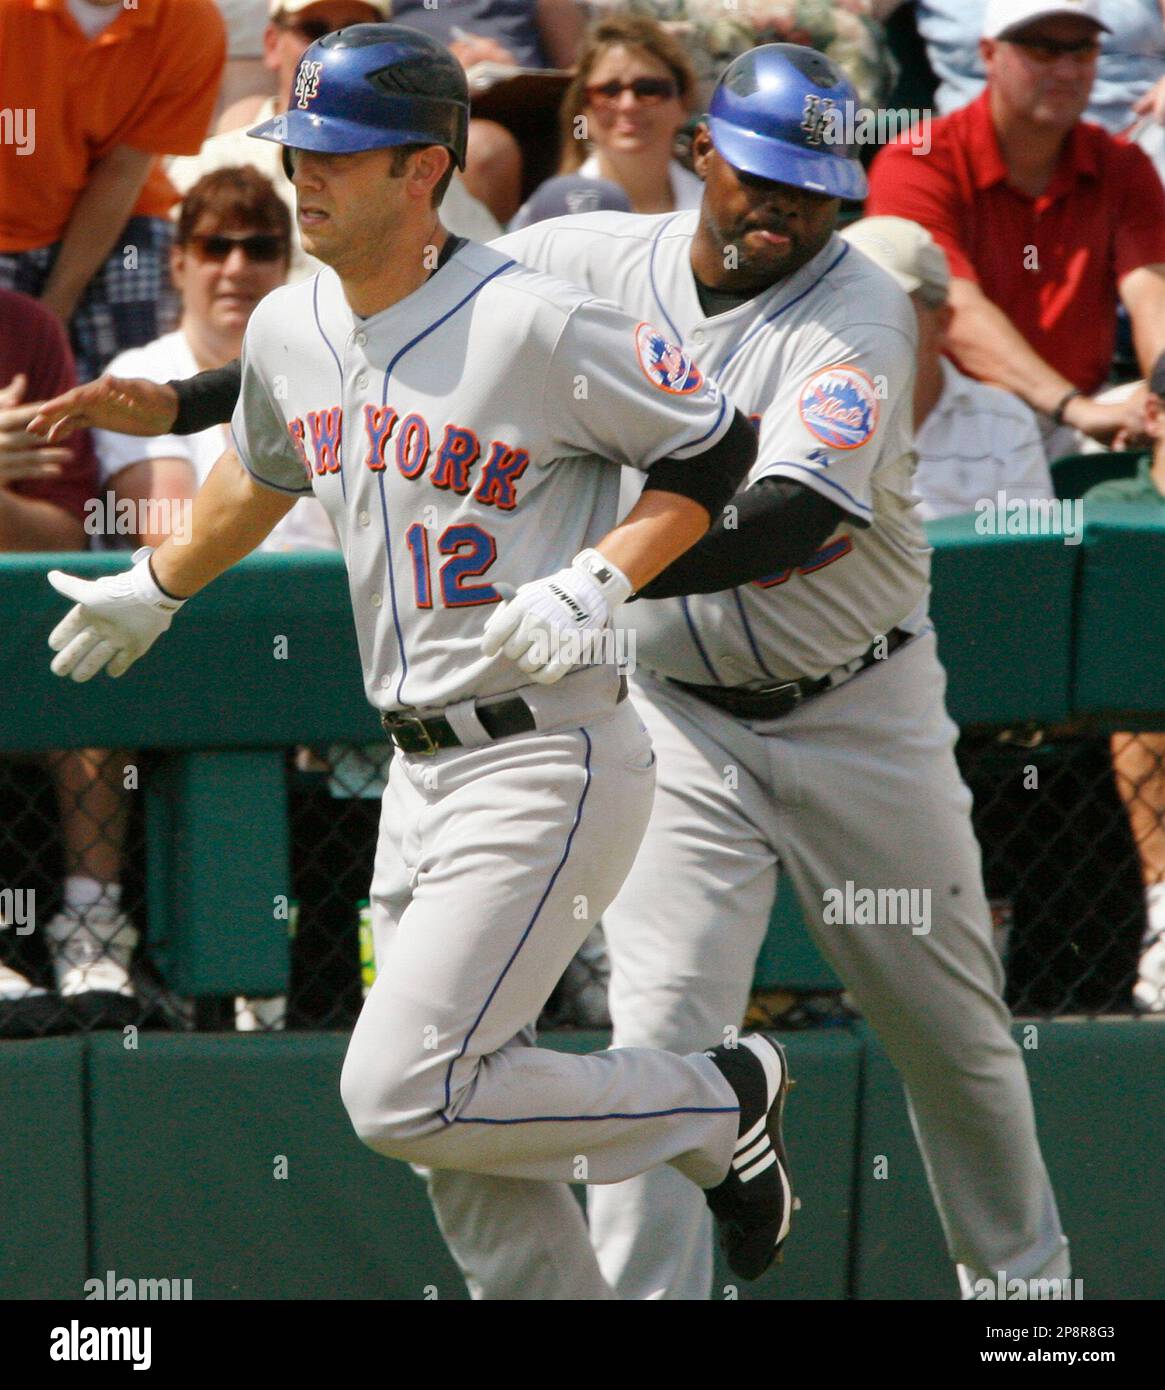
665 365
839 406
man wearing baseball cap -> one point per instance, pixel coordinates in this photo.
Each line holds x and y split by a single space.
1007 17
291 26
1046 221
567 195
972 440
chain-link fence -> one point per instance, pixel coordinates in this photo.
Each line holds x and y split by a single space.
1066 843
1072 830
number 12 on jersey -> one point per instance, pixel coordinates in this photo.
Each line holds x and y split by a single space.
471 551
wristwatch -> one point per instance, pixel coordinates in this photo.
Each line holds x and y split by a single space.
1058 413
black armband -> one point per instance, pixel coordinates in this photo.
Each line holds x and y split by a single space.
712 477
207 399
771 526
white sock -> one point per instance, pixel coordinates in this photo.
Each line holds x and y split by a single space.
1155 909
83 892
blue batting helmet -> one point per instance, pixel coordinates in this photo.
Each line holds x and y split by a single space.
371 86
781 112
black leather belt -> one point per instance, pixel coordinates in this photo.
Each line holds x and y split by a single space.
775 701
499 718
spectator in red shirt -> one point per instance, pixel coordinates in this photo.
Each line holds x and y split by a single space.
95 91
1045 220
44 492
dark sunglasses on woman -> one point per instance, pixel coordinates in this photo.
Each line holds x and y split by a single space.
646 89
257 246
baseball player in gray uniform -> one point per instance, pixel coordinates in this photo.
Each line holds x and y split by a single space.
462 420
788 677
794 695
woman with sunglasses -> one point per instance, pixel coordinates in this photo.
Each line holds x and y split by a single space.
231 248
622 111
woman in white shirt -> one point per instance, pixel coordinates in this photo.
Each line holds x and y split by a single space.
231 247
621 113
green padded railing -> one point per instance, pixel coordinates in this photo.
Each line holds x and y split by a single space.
221 677
1029 629
1120 618
266 657
1002 607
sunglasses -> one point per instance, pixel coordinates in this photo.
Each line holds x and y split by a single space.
1048 50
309 29
648 90
259 246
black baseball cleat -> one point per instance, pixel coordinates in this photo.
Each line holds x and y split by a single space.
753 1206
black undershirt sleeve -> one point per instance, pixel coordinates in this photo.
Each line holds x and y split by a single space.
712 477
775 524
207 399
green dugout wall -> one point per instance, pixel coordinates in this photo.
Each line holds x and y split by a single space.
229 1160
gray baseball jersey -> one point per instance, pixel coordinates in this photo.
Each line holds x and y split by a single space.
823 362
859 787
459 438
471 434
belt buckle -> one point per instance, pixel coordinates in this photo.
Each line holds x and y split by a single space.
786 688
428 749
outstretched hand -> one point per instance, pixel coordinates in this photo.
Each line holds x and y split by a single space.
117 619
126 406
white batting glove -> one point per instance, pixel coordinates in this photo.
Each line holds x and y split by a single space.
539 628
117 619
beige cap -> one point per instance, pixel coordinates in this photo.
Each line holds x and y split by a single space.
1004 15
288 7
906 250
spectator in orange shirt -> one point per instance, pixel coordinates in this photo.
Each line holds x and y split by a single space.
1045 220
101 90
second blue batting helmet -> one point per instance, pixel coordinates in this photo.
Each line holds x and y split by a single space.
782 112
371 86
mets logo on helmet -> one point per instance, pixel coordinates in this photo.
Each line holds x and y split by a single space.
816 116
307 83
839 406
665 365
